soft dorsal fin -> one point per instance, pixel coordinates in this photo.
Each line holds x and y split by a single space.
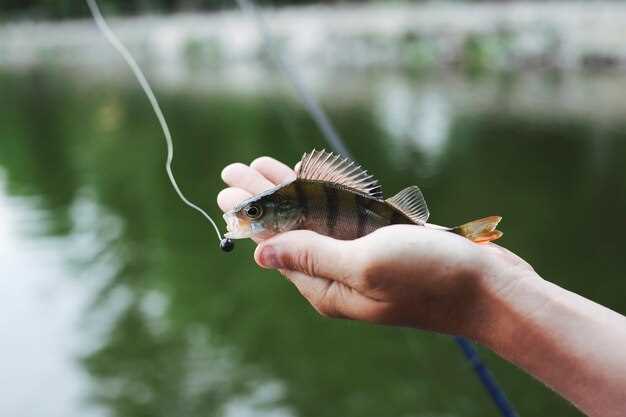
333 168
410 201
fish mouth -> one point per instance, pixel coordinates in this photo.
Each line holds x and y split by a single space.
240 228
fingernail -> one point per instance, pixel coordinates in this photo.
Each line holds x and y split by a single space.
268 258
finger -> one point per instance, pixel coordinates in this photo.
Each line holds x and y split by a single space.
310 253
230 197
311 288
275 171
334 299
242 176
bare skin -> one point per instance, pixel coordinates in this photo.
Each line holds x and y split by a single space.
428 279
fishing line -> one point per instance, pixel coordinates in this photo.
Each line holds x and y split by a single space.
225 244
470 352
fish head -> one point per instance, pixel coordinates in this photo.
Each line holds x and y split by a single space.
264 215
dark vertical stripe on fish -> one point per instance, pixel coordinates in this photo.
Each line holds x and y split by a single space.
362 204
332 208
302 201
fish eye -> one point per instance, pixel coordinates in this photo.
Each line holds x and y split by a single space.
253 211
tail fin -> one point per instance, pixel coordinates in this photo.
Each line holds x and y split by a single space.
481 230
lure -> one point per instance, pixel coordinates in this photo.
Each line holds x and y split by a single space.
334 196
226 244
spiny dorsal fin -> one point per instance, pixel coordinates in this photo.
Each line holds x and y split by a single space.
410 201
328 167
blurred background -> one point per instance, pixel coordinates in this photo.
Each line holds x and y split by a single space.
114 298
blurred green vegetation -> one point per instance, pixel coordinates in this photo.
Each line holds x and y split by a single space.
201 330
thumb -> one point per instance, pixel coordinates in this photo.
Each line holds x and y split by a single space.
310 253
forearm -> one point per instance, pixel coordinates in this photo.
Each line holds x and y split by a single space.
573 345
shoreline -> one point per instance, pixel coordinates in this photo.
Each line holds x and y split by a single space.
483 37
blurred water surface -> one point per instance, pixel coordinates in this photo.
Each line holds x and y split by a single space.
116 301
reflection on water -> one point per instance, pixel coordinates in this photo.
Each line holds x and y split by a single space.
154 320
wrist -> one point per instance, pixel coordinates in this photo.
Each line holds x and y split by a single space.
506 301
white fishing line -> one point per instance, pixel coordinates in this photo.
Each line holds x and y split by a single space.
117 44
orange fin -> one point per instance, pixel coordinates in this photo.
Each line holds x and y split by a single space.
481 230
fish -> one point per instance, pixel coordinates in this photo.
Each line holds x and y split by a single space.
334 196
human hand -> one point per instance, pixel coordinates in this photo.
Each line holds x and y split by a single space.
431 279
400 275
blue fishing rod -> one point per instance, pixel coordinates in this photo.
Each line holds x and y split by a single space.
312 106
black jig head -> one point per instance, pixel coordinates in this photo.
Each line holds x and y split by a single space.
227 244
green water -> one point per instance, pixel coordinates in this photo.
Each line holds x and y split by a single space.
164 324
